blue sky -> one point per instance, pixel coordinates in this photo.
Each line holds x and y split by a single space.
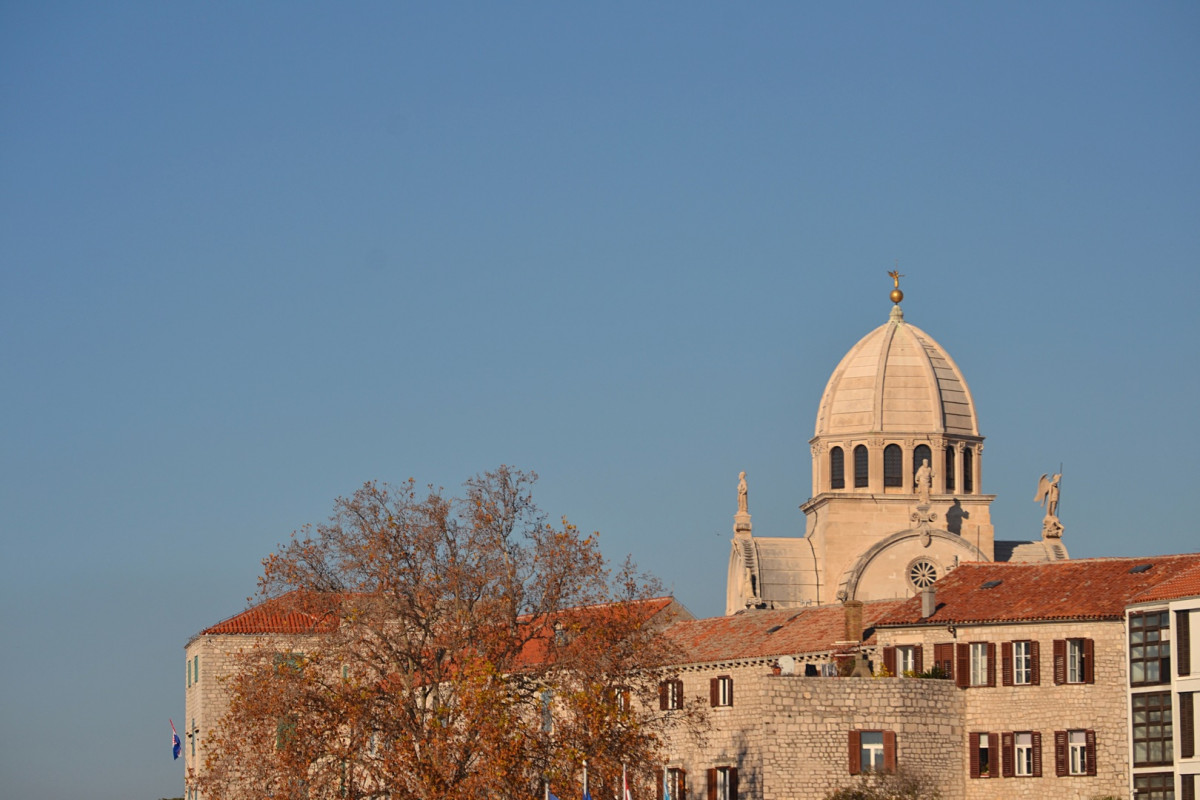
252 255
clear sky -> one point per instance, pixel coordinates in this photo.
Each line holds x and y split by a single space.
254 254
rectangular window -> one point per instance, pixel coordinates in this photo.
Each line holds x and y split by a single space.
1023 747
671 783
192 734
906 659
187 662
670 695
722 783
196 669
1155 786
1022 663
872 751
1077 742
979 673
720 691
984 755
1187 724
1152 729
1149 649
1073 661
1183 643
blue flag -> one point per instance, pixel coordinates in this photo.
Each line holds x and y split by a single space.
176 747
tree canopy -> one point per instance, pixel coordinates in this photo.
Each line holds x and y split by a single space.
461 647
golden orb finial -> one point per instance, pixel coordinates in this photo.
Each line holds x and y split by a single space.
896 295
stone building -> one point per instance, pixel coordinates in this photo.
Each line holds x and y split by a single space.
900 633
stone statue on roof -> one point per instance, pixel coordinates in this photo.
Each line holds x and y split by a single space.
1047 496
743 494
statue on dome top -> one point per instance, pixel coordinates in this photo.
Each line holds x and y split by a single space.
1047 495
743 494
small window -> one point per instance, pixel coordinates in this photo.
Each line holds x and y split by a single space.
1022 663
872 751
721 691
722 783
1024 756
968 471
671 783
984 755
670 695
949 468
922 573
1077 741
837 469
1073 661
906 659
196 669
861 467
979 663
893 466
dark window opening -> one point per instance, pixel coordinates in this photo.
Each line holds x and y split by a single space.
837 469
949 468
861 466
893 466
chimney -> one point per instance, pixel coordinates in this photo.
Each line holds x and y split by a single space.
854 622
928 603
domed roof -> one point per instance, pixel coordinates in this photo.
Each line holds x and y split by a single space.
897 379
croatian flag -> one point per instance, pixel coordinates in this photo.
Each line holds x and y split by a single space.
176 747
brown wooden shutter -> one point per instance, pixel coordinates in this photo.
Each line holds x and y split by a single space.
712 783
714 689
662 696
962 665
1060 661
993 755
682 785
889 659
1006 664
733 787
855 753
943 657
1089 655
991 664
1008 751
1187 787
889 751
1060 752
729 678
1035 743
918 660
658 784
1183 644
1035 664
1089 737
1187 724
973 753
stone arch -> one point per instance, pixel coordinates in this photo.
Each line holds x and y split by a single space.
848 587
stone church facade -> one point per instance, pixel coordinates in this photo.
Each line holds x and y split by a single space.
899 633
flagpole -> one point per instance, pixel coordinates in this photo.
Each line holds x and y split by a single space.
585 783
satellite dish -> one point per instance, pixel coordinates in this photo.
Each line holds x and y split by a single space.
787 665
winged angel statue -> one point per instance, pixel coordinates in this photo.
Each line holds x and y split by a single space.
1047 495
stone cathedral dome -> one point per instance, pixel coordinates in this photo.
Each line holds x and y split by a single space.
897 379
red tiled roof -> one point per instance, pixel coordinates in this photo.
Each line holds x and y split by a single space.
276 615
762 634
1098 588
535 651
1185 584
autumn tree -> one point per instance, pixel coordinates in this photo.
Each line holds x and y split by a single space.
460 647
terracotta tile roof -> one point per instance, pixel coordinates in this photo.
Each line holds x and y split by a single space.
277 615
1185 584
535 651
1098 588
763 634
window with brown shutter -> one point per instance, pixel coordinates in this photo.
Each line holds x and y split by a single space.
943 658
889 660
1187 724
1183 643
1075 752
984 755
722 783
872 750
720 691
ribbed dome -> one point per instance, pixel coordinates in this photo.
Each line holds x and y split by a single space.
897 379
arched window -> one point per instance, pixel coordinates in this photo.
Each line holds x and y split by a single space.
949 468
837 469
893 466
920 454
860 467
968 473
